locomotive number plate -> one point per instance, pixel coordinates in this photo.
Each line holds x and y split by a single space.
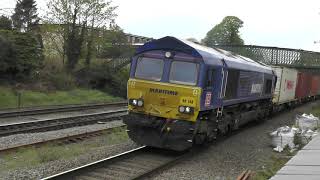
187 101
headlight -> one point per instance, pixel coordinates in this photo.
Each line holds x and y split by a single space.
168 54
136 102
140 103
181 109
186 109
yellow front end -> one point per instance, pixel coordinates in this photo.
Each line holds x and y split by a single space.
164 99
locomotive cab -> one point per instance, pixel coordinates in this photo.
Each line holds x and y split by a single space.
164 92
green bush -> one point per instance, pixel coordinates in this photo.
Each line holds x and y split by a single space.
297 140
20 55
53 76
101 76
63 81
58 81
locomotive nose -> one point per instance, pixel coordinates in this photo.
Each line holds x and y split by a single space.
164 99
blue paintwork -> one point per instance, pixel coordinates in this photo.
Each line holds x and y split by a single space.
220 60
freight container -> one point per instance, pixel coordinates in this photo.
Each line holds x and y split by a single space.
318 92
286 84
315 82
303 85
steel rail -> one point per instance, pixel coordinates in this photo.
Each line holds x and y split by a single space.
54 109
65 139
60 123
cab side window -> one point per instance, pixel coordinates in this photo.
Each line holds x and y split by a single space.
232 83
268 86
210 78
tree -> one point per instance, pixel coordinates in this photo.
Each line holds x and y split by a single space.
225 33
7 53
80 20
74 42
25 15
99 13
5 23
53 38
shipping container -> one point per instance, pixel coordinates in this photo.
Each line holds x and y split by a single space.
303 85
315 82
318 92
286 84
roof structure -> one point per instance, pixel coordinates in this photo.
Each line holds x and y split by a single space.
211 56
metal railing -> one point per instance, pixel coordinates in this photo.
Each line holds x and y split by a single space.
120 62
277 56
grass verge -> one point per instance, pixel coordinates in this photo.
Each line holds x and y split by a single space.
9 99
272 166
33 157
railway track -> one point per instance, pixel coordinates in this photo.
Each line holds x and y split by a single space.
54 109
134 164
65 140
138 163
60 123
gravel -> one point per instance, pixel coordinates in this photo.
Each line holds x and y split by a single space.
58 166
28 138
248 148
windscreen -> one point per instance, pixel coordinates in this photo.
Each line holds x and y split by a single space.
184 73
149 68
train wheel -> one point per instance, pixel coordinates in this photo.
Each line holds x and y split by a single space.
236 122
226 131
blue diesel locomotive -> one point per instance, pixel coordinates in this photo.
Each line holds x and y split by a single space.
181 93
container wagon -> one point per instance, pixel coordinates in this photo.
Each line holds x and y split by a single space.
303 89
285 89
315 83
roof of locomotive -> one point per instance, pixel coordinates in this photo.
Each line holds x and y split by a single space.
210 56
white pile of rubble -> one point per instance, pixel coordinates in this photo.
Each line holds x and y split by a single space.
305 127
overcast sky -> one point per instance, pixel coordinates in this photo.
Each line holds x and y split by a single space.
281 23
